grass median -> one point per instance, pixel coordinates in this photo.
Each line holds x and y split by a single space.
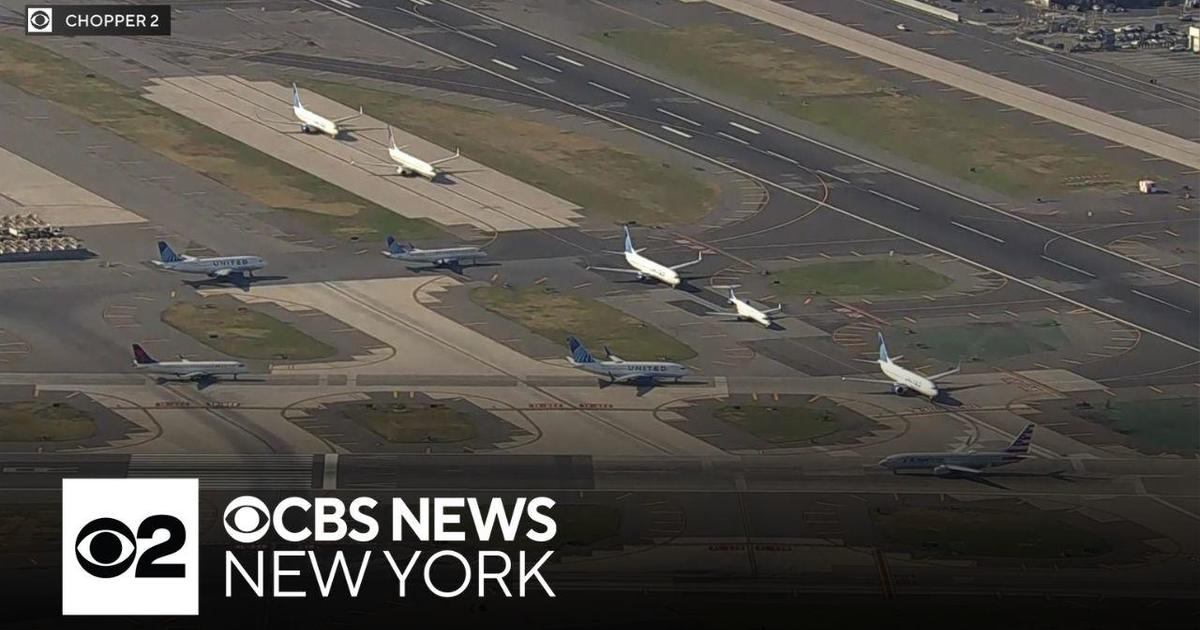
406 424
947 135
554 315
858 277
32 421
240 332
253 173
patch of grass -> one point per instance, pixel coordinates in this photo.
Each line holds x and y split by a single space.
601 178
32 421
959 532
554 316
397 422
126 113
242 332
585 524
792 424
30 528
1154 427
946 135
859 277
984 342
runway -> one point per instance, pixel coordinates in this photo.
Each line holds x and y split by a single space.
1081 273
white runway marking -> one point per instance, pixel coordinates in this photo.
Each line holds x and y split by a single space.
893 199
540 63
504 64
678 117
609 90
974 231
675 131
1071 267
1159 300
743 128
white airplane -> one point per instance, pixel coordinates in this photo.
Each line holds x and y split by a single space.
620 371
217 267
901 379
191 370
746 311
440 257
964 463
312 122
410 164
645 268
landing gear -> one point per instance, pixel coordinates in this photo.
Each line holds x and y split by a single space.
305 129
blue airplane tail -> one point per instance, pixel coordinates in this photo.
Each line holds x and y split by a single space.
394 246
628 241
579 352
166 254
296 96
1024 439
883 353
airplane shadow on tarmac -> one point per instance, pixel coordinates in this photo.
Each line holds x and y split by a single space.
240 281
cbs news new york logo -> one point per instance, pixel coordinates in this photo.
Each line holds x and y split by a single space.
130 547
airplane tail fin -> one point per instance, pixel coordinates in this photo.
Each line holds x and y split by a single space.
628 241
140 356
579 353
391 138
394 246
296 96
1023 441
883 353
166 254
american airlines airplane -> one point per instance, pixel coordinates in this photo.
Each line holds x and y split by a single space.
311 122
964 463
216 267
618 370
747 311
643 267
191 370
901 379
440 257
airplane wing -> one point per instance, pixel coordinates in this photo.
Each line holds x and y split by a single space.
867 380
631 378
935 377
221 273
614 270
338 121
946 469
773 310
699 259
621 253
195 375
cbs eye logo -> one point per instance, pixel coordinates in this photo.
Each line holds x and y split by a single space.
107 548
130 547
246 519
39 20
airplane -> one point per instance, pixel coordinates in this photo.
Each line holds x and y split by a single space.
745 311
440 257
312 122
190 370
619 370
645 268
904 380
962 463
410 164
217 267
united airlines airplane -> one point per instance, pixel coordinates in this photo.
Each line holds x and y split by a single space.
216 267
439 257
965 463
643 267
408 164
901 379
618 370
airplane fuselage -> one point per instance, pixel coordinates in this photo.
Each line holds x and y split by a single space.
215 266
746 311
650 269
906 380
410 164
311 122
654 370
192 369
440 256
936 461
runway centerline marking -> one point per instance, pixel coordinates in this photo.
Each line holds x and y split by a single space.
1071 267
893 199
734 138
832 176
676 131
975 231
613 121
1159 300
814 141
540 63
678 117
504 64
743 128
609 90
568 60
